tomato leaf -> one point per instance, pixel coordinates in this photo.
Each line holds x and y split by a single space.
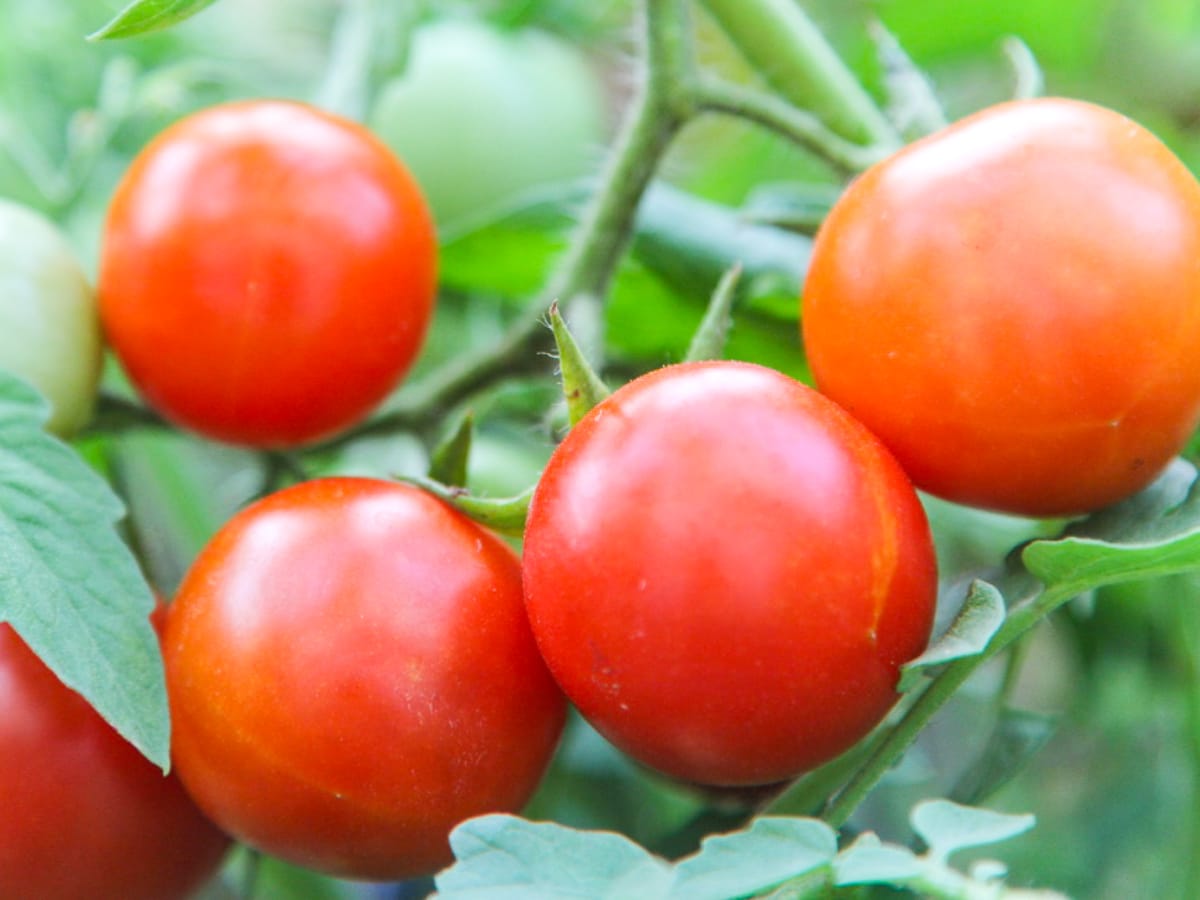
946 826
690 243
1156 532
144 16
870 861
981 615
771 851
503 857
792 205
1016 737
68 584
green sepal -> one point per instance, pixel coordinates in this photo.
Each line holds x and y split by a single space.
582 387
503 514
713 333
913 107
448 462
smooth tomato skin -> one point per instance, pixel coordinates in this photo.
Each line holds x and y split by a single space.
724 572
351 674
267 273
85 814
1013 306
49 326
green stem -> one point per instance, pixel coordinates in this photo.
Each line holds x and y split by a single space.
660 110
596 247
115 415
1021 618
1012 671
788 50
345 84
798 126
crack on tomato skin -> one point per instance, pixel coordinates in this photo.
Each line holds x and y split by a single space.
885 551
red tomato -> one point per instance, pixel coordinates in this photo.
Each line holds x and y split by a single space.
85 814
1013 306
724 572
351 674
267 273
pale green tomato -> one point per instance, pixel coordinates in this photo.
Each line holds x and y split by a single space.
49 329
481 115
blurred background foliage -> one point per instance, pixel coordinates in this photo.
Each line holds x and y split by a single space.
1109 690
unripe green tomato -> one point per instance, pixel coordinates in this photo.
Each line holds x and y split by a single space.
50 332
480 115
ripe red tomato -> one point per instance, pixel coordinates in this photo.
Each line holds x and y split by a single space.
351 674
1013 306
267 273
724 572
85 814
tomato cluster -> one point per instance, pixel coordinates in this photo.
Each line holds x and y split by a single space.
723 570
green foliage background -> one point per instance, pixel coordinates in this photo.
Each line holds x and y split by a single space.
1109 689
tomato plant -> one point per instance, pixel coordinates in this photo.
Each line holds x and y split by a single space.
481 114
86 815
351 674
267 273
724 572
1013 306
51 332
730 576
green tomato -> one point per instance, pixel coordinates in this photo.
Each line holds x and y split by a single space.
481 115
49 329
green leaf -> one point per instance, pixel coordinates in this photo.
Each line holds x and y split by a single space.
448 462
502 857
510 250
793 205
869 861
144 16
68 584
981 616
691 243
709 340
771 851
683 246
1154 533
505 515
946 826
1017 736
582 387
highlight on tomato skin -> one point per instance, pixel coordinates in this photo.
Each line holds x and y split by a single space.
1013 306
85 814
351 674
724 572
267 273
